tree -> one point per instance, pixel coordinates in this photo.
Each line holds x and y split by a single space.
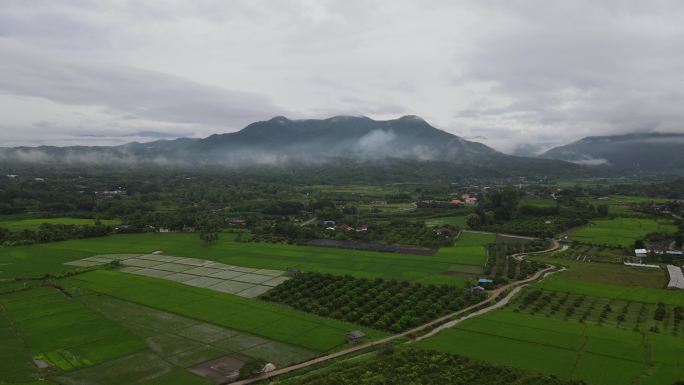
639 244
489 217
208 236
679 239
473 221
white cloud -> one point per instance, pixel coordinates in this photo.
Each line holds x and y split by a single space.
510 71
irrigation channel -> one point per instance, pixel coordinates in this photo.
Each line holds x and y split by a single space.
435 325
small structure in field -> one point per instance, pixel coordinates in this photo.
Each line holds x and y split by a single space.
268 368
485 281
456 202
641 253
477 289
447 232
237 222
362 229
293 272
355 336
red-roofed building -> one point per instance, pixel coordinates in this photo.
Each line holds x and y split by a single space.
456 202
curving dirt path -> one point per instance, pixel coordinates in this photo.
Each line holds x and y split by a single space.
516 286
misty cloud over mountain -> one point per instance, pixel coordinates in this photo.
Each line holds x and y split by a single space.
277 141
405 142
631 153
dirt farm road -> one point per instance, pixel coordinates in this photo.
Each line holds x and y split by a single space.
516 286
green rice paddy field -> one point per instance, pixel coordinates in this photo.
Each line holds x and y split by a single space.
268 320
582 344
90 338
125 327
34 223
36 260
619 231
595 354
66 334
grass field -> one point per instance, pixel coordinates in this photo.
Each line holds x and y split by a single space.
619 231
63 332
263 319
36 260
458 221
629 293
34 223
607 273
569 350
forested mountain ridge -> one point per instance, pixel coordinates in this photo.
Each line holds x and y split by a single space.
642 152
310 142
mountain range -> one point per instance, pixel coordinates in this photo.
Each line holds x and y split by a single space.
629 153
281 141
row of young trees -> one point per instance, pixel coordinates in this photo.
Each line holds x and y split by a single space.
381 304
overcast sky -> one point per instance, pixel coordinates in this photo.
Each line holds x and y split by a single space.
500 72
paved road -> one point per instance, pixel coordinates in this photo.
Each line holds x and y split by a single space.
504 301
492 295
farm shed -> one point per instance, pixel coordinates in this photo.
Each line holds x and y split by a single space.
641 253
484 281
355 335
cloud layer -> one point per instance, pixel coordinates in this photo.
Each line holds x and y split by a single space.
511 72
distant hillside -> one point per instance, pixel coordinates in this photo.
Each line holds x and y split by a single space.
281 141
648 152
409 137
